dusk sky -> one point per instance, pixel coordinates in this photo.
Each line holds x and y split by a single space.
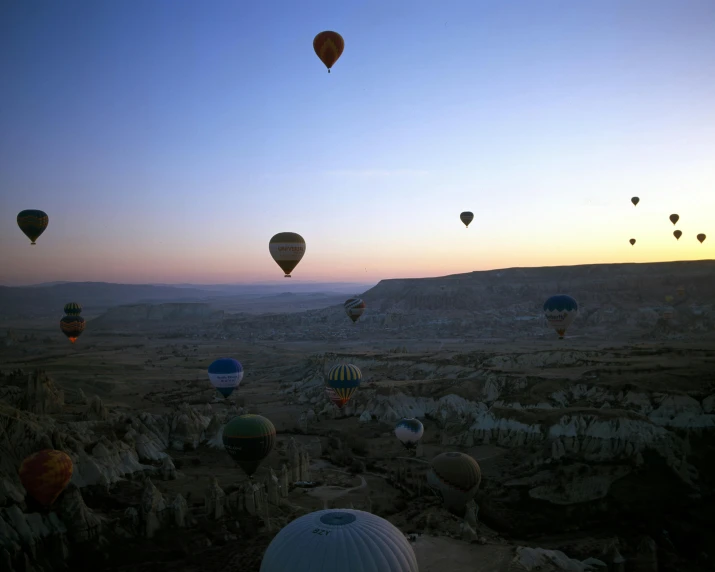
169 140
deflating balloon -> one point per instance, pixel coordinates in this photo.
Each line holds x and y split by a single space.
635 200
560 311
455 477
344 379
409 432
632 241
354 308
32 223
466 217
701 237
674 218
677 234
45 475
249 439
328 47
225 375
338 540
287 249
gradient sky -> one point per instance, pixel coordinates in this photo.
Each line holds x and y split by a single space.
168 140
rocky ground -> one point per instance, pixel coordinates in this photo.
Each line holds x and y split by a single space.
596 454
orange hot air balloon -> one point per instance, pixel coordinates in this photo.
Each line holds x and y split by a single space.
329 47
45 475
677 234
701 237
632 241
674 218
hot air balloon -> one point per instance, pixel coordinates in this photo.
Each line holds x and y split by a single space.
632 241
409 432
225 374
336 540
635 200
560 311
669 299
455 477
354 308
328 47
701 237
334 397
32 223
680 290
45 475
72 325
668 313
674 218
677 234
249 439
287 249
344 379
466 217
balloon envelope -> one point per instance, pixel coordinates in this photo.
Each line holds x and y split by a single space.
73 309
677 234
674 218
334 397
249 439
337 540
45 475
225 374
72 327
409 432
344 379
466 217
701 237
328 47
354 308
287 249
32 223
560 311
632 241
635 200
456 477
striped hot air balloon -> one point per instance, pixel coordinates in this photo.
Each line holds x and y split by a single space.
249 439
560 311
32 223
354 308
46 474
344 379
73 309
72 325
334 397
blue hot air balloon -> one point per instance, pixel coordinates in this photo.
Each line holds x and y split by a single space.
560 311
339 540
225 375
409 432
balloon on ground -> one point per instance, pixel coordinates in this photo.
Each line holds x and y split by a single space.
32 223
225 374
249 439
338 540
46 474
287 249
560 311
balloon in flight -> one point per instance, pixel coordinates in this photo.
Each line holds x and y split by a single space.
32 223
701 237
334 398
674 218
287 249
335 540
46 474
72 324
466 217
635 201
455 477
409 432
632 241
354 308
225 374
328 47
560 311
680 290
249 439
344 379
677 234
669 299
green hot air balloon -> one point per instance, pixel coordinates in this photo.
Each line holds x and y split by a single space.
73 309
249 439
32 223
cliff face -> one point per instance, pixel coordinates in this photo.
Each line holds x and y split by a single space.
139 315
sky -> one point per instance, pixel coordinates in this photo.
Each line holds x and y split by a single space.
168 140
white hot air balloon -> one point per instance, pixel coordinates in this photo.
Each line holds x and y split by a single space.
339 540
409 432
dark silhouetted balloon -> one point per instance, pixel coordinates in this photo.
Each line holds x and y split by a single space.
287 249
560 311
32 223
635 200
73 309
677 234
701 237
354 308
674 218
46 474
456 478
632 241
338 540
328 47
249 439
466 217
72 325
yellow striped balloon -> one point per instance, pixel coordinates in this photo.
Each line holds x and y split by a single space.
344 379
